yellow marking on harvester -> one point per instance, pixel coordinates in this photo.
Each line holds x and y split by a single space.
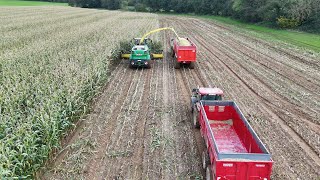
157 56
125 56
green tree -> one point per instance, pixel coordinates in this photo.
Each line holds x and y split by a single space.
271 10
111 4
247 10
165 5
182 6
153 4
86 3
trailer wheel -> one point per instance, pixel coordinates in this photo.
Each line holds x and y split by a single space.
193 106
195 119
205 159
192 65
172 52
176 64
209 173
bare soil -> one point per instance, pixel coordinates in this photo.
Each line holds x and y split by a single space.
140 127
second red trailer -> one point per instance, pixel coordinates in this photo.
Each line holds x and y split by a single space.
234 151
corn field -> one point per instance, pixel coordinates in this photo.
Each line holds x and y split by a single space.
53 60
68 111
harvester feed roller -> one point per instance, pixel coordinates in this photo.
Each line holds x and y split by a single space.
157 56
125 56
153 56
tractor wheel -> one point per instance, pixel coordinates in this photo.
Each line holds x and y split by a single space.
209 173
130 66
195 119
192 65
205 159
176 64
172 53
149 65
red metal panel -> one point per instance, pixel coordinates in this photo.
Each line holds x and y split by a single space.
238 130
231 136
216 115
244 134
243 170
185 54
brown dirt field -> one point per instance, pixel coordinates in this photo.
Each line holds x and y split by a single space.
140 127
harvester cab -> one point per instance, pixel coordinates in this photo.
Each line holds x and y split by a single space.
140 56
137 41
214 94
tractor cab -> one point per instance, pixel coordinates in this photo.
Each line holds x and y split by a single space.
198 94
214 94
210 94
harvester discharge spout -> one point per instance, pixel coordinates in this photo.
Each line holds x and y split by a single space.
157 30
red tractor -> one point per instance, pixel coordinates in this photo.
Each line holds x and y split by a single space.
203 94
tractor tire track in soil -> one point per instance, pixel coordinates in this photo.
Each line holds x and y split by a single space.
139 129
140 126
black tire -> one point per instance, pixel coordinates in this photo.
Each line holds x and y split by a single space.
209 173
192 65
176 64
195 121
205 159
130 66
172 53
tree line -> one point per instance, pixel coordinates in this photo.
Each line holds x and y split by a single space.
62 1
281 13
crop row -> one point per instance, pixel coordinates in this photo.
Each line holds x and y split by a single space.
49 76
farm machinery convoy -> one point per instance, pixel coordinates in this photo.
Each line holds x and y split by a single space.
141 51
233 149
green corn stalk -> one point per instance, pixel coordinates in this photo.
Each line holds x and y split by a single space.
50 69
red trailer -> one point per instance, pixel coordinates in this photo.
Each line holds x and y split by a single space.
184 52
234 151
